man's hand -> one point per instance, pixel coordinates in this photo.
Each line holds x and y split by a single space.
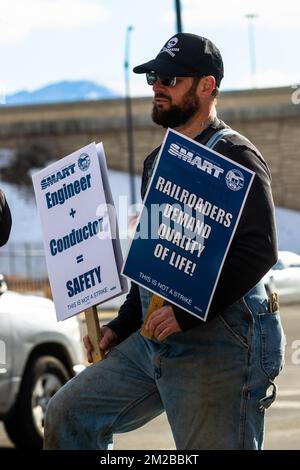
108 341
162 323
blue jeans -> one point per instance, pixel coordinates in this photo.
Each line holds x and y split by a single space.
214 382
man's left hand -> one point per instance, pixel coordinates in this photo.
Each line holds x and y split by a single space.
162 323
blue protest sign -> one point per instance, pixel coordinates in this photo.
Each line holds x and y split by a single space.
191 210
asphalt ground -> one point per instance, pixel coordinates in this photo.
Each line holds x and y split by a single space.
282 418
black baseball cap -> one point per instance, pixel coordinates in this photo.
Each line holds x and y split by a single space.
186 55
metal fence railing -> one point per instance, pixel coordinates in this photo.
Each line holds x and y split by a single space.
24 268
29 286
25 260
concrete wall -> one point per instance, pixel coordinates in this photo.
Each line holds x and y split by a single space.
266 116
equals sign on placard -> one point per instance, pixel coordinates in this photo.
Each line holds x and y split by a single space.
79 258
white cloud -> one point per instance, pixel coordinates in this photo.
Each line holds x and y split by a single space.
19 18
232 12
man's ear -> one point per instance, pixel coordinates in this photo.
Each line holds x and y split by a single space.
206 86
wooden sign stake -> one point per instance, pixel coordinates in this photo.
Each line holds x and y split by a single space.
156 303
94 332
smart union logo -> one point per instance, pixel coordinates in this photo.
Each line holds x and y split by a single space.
234 179
58 176
84 161
195 160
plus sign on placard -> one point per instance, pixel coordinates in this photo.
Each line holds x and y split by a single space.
72 213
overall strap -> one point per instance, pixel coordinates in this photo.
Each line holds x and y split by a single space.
218 136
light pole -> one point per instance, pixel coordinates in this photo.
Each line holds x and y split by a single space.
250 17
129 126
178 16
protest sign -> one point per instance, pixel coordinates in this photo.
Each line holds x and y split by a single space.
191 210
83 255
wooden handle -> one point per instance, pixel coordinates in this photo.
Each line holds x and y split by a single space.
156 303
94 333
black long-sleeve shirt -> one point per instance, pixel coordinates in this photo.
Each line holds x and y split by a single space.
5 219
253 250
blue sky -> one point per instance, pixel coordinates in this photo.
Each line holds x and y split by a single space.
42 41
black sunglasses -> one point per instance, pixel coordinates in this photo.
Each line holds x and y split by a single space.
152 77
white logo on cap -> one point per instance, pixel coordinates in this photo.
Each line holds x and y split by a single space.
169 48
172 43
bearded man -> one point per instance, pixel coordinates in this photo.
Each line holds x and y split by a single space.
213 379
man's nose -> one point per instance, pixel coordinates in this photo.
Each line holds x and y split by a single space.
157 86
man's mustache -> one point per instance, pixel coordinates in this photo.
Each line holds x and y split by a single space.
161 95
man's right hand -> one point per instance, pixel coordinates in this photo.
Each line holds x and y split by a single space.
108 341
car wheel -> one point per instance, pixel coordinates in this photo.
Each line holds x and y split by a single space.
25 425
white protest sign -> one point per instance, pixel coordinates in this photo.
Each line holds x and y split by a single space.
112 215
80 254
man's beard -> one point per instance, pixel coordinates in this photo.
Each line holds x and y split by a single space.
176 115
